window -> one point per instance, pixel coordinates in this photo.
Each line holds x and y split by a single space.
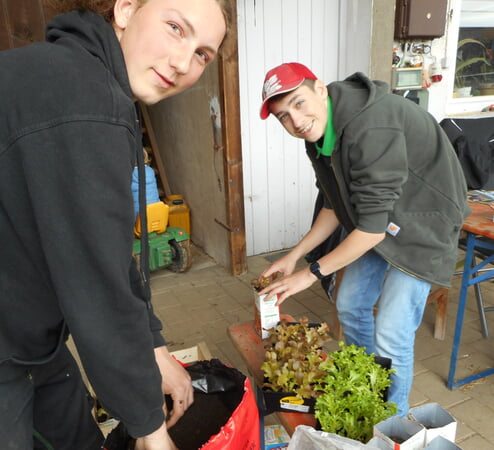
474 73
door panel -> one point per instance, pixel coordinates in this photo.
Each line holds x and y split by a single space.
279 185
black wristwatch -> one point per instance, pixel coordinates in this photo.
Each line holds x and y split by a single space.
315 268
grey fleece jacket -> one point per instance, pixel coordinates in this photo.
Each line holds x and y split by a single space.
397 173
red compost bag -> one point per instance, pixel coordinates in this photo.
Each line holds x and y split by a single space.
224 415
241 431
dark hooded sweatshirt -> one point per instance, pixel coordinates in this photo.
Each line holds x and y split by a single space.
394 170
69 134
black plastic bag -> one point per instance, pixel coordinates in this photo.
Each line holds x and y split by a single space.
223 400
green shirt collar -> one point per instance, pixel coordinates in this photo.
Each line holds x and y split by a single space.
329 138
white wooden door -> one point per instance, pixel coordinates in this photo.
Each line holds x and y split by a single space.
279 184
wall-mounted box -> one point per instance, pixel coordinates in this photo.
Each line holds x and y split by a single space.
406 78
416 19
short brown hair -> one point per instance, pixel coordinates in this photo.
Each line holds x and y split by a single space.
105 8
307 82
102 7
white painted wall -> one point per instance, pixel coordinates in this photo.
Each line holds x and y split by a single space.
329 36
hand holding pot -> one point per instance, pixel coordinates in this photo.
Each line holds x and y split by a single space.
285 265
289 285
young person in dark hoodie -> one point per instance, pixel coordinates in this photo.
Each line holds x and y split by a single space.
391 178
69 139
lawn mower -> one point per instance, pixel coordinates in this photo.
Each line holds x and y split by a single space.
168 246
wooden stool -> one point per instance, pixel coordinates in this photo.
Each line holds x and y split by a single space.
440 296
335 328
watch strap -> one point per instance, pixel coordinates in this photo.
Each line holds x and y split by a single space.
315 268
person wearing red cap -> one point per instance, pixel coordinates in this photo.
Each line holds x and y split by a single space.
390 177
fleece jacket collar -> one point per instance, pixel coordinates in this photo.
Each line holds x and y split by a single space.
352 96
90 31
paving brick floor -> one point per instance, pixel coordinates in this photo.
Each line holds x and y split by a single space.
199 305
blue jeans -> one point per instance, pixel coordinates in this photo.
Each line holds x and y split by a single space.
401 300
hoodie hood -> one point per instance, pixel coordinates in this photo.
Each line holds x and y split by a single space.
90 31
353 95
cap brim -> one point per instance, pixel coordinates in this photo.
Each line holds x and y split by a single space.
265 112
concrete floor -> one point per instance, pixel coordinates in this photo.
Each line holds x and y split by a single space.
199 305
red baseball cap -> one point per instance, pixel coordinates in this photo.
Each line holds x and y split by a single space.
282 79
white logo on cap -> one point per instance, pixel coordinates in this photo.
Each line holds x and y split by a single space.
271 86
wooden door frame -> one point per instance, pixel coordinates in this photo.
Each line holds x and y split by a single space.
231 135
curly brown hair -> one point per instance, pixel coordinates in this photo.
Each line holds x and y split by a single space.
105 8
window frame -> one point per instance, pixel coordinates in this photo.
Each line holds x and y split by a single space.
459 105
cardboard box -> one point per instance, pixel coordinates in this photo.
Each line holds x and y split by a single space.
275 437
107 426
400 433
198 352
267 314
377 442
436 421
441 443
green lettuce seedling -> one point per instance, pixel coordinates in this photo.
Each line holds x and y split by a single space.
350 396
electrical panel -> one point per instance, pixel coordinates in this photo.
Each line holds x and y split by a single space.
406 78
424 19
